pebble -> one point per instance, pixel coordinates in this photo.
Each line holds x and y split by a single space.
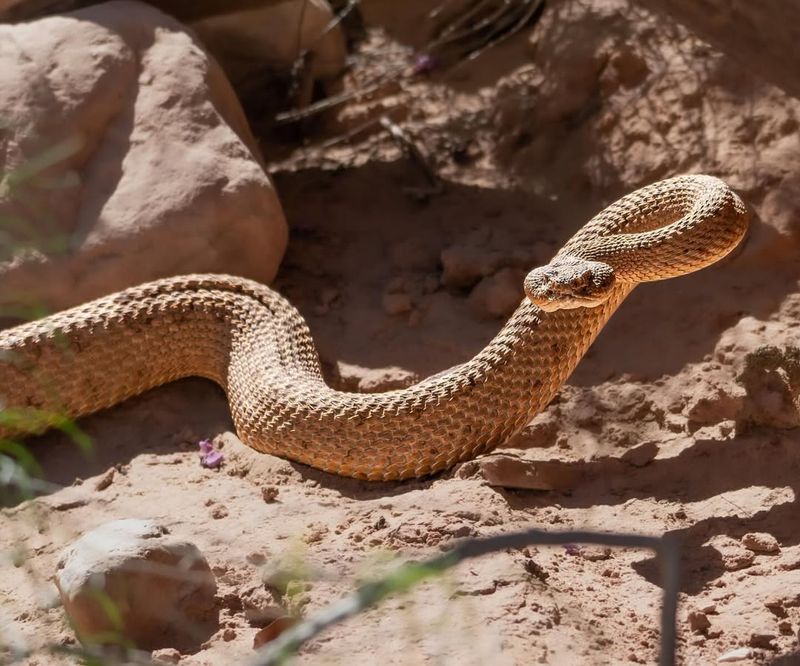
761 542
763 641
734 556
106 480
508 471
270 494
739 654
698 621
219 511
464 265
596 553
641 455
166 656
161 585
273 630
498 295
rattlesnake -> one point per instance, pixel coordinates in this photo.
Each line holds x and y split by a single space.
254 344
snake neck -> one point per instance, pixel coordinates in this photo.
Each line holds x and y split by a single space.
429 426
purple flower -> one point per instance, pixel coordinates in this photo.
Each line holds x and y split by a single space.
213 459
424 64
209 457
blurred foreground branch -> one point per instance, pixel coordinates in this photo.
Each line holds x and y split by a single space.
406 576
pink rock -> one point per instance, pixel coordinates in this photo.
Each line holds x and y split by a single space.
143 163
132 578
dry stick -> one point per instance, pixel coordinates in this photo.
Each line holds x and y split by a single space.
392 75
412 150
448 37
330 102
527 16
406 576
336 20
459 22
342 138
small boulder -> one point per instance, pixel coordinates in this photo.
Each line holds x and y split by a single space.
698 621
464 265
248 41
761 542
498 295
733 554
510 471
131 580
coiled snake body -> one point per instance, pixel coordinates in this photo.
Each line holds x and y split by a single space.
254 344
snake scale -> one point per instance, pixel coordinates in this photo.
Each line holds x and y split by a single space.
258 348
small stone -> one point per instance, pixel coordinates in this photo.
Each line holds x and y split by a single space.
106 480
734 556
269 494
396 304
159 585
460 530
536 570
464 265
785 627
507 471
761 542
709 405
763 641
776 607
698 621
641 455
256 558
273 630
498 295
262 615
228 634
166 656
739 654
596 553
709 608
219 511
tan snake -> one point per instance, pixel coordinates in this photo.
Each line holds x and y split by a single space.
256 345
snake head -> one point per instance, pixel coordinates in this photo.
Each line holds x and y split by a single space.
569 282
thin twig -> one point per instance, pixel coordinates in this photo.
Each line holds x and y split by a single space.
336 100
406 576
411 149
534 6
336 20
342 138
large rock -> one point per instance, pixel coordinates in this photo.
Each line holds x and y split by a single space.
127 158
249 41
129 579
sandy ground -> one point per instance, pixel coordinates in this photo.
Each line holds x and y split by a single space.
529 139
